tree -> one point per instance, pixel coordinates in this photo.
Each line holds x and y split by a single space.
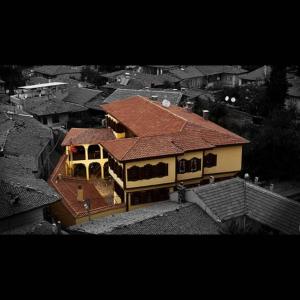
277 87
12 75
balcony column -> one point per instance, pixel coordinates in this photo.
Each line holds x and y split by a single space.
87 168
86 152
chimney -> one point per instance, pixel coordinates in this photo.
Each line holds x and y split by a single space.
154 97
205 114
80 193
256 180
211 179
189 106
271 187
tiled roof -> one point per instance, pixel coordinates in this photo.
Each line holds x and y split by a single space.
17 180
79 136
141 147
232 198
96 102
219 69
52 106
138 110
57 69
156 137
257 74
140 80
114 74
26 137
186 220
187 73
81 95
173 96
156 119
62 78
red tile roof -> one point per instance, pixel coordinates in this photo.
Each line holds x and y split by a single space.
79 136
163 131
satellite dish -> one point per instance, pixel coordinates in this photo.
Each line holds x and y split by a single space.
166 103
226 98
233 99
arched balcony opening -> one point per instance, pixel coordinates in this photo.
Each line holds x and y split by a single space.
94 152
80 171
95 170
78 152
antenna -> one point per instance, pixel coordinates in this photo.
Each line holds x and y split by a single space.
166 103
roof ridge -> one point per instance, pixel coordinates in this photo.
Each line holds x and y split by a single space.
130 148
266 191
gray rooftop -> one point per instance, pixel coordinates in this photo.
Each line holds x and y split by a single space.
233 198
173 96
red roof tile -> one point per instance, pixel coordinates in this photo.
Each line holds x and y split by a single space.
79 136
163 131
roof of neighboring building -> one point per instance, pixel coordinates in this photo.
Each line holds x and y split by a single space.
64 78
41 85
1 81
57 69
96 102
193 93
52 106
114 74
186 220
219 69
235 197
91 136
167 67
26 135
81 95
17 180
257 74
173 96
187 73
150 122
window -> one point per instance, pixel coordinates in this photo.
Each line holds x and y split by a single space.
147 172
195 164
45 120
181 166
55 118
210 160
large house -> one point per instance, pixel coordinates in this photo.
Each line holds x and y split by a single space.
258 76
147 148
208 76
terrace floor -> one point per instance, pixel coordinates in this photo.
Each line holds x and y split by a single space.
98 191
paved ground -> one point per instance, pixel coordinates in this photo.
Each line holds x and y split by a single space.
110 223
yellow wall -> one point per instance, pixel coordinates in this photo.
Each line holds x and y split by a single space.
117 135
70 164
188 156
153 181
228 159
